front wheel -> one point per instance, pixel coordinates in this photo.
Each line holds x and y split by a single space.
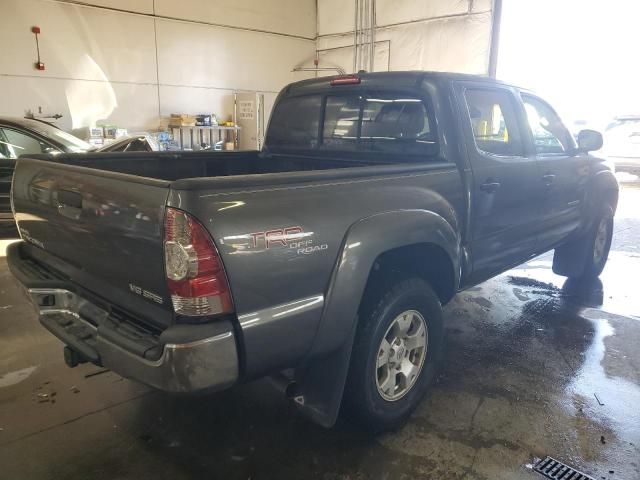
587 256
601 246
395 355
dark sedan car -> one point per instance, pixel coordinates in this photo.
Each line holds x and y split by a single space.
20 136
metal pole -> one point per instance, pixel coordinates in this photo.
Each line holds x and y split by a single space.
355 38
373 36
319 69
360 33
365 14
495 38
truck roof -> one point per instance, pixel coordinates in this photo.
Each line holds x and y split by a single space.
392 78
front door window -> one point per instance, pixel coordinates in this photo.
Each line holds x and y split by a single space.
14 143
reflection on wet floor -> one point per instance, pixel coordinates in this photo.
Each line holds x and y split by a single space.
614 292
618 398
535 365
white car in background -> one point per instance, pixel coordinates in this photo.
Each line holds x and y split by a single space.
622 143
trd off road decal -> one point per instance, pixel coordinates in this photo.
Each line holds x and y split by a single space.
295 239
276 237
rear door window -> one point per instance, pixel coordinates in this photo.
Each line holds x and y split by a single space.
494 121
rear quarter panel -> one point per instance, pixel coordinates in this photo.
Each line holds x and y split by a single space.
280 244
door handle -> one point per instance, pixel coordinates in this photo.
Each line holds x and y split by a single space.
69 198
70 212
548 179
69 204
490 187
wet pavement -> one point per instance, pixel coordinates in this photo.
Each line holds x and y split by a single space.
535 365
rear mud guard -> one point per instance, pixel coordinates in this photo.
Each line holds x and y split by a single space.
319 384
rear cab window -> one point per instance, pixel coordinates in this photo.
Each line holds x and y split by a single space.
397 123
341 122
357 121
295 122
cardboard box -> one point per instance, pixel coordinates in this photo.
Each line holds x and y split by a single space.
87 133
182 120
109 131
203 120
95 132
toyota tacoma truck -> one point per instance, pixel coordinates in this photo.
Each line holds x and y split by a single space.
322 261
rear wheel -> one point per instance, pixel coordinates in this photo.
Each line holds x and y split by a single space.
395 355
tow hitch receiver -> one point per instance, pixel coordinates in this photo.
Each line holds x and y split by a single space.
72 358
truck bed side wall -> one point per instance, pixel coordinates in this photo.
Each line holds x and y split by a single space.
281 243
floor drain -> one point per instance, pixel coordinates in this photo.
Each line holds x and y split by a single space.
556 470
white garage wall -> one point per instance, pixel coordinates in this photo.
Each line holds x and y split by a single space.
127 65
130 61
442 35
292 17
139 6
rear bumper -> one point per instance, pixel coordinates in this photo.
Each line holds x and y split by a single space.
183 358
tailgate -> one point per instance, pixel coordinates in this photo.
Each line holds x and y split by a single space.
104 230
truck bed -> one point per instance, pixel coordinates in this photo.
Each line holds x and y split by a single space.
280 224
101 216
173 166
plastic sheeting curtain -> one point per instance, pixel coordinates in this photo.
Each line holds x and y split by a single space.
444 35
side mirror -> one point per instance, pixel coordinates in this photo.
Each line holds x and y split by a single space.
589 141
51 150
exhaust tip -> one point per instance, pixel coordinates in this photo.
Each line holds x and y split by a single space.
285 384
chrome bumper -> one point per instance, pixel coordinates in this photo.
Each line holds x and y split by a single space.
198 362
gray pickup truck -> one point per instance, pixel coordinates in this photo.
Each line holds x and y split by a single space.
323 260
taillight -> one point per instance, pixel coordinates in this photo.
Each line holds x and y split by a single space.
195 274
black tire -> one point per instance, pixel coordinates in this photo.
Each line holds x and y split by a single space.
578 259
362 398
593 266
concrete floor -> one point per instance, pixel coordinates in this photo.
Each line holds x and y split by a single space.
535 366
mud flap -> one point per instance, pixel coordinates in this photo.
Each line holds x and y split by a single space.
320 383
569 259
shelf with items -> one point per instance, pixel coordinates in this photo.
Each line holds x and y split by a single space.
202 135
